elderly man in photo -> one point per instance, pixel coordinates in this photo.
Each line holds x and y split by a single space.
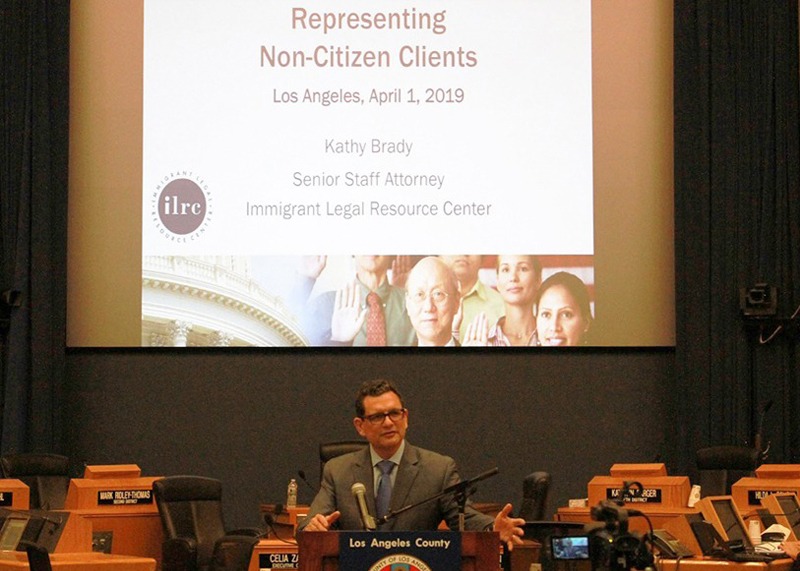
432 302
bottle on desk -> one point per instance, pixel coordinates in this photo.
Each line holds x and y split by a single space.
291 494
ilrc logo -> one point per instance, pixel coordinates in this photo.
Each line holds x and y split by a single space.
181 206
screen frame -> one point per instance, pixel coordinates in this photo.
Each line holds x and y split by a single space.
709 507
12 531
632 85
773 503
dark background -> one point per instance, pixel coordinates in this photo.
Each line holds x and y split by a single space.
253 418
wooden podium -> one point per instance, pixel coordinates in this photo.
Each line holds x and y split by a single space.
659 490
118 505
18 561
14 494
319 551
707 564
663 497
770 479
270 551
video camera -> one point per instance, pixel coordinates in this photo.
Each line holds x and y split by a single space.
612 547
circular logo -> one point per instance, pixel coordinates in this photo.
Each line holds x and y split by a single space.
400 562
182 206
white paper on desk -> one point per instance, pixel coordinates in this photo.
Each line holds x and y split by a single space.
773 546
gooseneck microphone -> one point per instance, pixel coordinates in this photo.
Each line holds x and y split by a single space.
466 484
460 490
302 475
360 494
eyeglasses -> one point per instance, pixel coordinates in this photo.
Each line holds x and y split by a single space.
379 417
438 296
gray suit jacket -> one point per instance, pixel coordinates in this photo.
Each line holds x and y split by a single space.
420 475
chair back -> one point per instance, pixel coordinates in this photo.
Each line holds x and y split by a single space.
329 450
535 489
720 466
232 555
47 476
191 507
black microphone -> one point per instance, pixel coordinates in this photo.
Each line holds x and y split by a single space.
360 494
460 490
302 475
269 521
464 484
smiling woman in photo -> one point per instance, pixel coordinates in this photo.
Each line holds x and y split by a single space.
563 311
518 278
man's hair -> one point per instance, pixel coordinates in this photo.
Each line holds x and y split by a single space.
374 388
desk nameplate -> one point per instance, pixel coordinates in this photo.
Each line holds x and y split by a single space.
124 497
643 496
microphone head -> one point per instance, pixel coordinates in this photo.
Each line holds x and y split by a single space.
359 493
302 475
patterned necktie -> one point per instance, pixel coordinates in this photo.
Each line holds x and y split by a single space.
384 496
376 323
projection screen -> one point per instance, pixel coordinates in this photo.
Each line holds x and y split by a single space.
292 157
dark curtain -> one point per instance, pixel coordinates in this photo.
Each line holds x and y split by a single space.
34 35
737 223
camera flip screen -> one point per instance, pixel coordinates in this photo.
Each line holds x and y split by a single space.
570 547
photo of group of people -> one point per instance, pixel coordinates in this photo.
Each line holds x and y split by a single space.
368 301
446 301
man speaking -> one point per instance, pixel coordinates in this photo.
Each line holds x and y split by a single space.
391 473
